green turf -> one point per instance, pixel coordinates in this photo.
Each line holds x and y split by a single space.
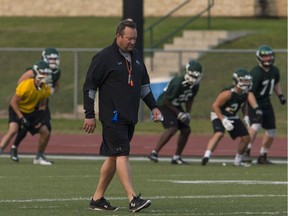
65 188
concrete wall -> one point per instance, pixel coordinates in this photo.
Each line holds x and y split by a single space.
222 8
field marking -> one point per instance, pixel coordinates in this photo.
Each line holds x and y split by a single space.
155 197
246 182
142 158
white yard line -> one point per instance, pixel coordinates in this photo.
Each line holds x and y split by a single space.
142 158
246 182
153 198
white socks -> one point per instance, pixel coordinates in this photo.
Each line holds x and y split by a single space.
238 159
263 150
207 153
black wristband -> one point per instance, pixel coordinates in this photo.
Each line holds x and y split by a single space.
149 100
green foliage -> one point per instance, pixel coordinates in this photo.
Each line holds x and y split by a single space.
66 187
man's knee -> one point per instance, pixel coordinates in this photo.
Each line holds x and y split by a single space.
271 133
256 127
44 131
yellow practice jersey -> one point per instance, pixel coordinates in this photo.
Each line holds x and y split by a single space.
30 95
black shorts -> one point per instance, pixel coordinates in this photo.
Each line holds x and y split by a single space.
116 139
239 130
35 118
268 117
170 119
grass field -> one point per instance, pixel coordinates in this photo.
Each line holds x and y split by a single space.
98 32
65 189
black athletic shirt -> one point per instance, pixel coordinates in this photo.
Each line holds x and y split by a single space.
108 73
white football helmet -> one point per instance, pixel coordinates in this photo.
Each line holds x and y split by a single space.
52 57
193 73
42 71
242 79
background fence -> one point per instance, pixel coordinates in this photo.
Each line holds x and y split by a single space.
67 103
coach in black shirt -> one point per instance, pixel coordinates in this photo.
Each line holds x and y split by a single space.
118 71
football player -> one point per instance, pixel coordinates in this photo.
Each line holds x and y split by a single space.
175 104
27 106
52 57
266 79
224 115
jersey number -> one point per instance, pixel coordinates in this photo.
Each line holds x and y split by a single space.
232 108
265 84
182 98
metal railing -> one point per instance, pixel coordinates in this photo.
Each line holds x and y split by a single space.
150 29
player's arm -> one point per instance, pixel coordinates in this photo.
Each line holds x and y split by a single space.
278 89
222 98
279 93
27 75
244 109
189 105
252 100
56 86
42 104
14 104
171 107
253 103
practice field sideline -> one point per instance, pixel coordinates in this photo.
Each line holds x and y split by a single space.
141 145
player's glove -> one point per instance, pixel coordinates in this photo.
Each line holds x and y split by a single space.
184 117
259 114
26 124
282 99
228 124
246 119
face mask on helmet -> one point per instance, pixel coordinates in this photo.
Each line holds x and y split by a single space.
51 56
265 56
193 73
43 73
242 79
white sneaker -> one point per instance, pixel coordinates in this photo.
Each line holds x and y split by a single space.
42 161
242 164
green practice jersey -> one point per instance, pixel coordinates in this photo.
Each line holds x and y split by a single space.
56 74
232 106
177 93
264 82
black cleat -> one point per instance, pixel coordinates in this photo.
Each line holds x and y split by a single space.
246 157
204 161
179 161
137 204
102 205
14 155
153 157
262 159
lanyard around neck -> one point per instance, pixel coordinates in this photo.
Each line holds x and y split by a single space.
129 69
